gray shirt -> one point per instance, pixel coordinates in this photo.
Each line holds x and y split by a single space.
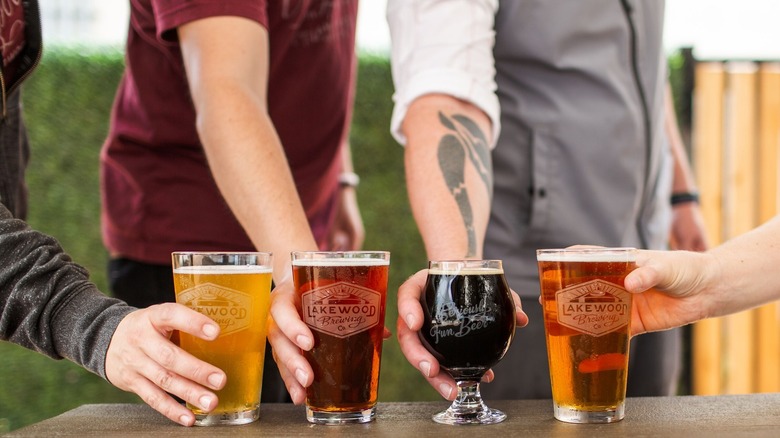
47 302
582 157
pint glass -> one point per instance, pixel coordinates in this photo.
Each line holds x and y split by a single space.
234 290
343 302
587 317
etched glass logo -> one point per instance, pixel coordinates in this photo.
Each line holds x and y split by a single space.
341 309
597 307
449 320
227 307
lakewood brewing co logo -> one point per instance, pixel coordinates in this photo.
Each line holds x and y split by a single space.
341 309
227 307
597 307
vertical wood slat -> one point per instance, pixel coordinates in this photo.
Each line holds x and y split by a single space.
707 151
740 211
768 316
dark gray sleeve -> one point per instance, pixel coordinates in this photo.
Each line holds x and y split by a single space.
47 302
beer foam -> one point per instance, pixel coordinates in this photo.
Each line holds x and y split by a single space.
222 269
587 255
341 261
466 271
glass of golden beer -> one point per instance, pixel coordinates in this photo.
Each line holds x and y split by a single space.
587 317
233 289
343 298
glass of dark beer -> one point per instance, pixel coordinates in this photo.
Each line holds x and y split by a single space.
468 325
343 297
587 319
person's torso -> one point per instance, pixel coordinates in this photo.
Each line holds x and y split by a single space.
582 158
155 173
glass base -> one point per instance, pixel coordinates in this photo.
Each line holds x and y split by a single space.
228 418
482 416
336 418
573 415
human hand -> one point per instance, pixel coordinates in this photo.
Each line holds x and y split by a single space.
288 335
672 288
142 359
347 232
410 321
688 232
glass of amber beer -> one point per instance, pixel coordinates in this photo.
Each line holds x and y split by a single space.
343 298
234 290
468 324
587 317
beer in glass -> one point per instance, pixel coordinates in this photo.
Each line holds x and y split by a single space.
343 297
234 290
587 316
468 324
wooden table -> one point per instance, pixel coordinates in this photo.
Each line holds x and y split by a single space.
689 416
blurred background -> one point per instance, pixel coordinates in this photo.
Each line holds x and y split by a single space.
68 99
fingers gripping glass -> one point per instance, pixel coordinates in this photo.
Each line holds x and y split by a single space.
469 322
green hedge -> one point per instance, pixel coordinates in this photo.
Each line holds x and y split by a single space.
67 103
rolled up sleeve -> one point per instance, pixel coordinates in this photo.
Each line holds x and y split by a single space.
443 46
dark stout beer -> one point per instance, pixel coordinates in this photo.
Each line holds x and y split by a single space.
468 324
469 320
343 302
587 315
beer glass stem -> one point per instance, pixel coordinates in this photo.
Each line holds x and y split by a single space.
468 407
469 398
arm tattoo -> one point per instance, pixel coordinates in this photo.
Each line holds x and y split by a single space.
465 141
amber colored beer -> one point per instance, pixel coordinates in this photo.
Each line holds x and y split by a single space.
237 298
587 315
343 302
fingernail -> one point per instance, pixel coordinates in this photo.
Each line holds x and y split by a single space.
205 402
301 376
304 342
184 420
216 379
445 390
210 330
409 320
425 367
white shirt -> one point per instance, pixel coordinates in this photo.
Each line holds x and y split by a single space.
443 46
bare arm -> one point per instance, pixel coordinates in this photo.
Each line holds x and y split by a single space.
689 286
450 182
226 59
449 174
688 232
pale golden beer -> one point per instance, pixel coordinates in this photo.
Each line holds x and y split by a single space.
234 290
587 316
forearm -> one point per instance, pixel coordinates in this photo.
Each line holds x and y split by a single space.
449 174
47 302
250 168
228 85
684 181
745 275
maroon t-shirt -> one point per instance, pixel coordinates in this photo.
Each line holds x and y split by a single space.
158 193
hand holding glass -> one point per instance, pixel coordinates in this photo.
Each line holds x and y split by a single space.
234 290
587 316
343 297
468 324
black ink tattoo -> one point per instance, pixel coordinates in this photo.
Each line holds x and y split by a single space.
467 140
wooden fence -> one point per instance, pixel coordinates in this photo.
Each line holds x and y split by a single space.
735 143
